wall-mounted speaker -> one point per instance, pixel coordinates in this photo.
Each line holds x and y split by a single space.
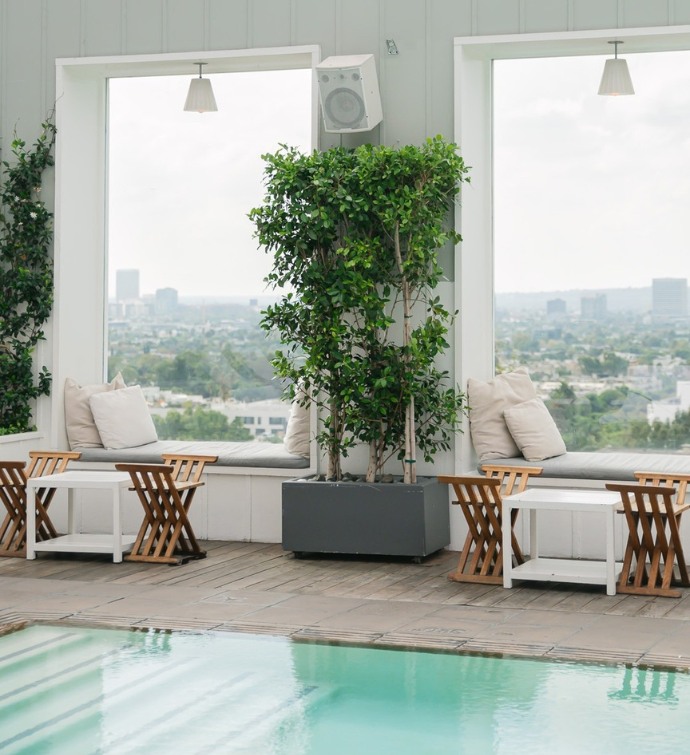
349 93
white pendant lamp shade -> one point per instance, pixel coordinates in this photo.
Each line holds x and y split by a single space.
616 78
200 97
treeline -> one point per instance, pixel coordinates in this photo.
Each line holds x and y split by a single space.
197 423
615 418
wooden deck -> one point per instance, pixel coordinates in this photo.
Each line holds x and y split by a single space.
260 588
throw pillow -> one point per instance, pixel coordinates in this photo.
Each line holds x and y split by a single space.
296 439
79 423
123 418
534 430
488 401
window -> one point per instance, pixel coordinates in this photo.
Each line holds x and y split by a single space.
474 274
81 273
185 275
590 207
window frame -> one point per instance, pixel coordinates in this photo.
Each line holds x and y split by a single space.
474 217
80 319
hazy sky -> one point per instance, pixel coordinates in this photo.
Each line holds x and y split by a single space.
591 191
181 184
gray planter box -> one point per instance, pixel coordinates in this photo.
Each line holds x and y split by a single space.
386 519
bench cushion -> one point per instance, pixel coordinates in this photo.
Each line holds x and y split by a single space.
601 465
230 454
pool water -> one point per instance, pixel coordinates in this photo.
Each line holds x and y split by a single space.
81 690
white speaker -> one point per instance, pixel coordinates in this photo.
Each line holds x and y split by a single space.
349 93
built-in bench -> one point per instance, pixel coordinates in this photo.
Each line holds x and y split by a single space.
596 466
230 454
241 497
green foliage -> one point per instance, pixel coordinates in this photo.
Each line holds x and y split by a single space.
354 235
197 423
26 280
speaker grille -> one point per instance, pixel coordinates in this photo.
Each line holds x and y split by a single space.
345 107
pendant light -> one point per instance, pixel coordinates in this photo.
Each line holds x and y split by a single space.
616 77
200 97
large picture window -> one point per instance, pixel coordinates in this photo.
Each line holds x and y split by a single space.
185 276
590 237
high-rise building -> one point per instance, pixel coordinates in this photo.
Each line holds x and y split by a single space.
166 301
593 307
669 297
126 285
555 308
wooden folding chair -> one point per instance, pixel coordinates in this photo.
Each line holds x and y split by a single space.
481 540
166 535
653 516
13 477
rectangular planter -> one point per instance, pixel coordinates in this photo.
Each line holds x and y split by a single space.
386 519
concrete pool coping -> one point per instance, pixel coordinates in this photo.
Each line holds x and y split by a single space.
259 588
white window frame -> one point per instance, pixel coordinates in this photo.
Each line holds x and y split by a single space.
80 313
473 132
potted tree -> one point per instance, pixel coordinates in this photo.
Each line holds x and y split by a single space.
355 236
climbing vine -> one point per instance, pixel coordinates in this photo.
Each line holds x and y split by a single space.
26 279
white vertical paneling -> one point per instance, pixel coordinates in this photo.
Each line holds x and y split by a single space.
143 26
497 16
645 13
313 22
270 23
358 29
23 106
679 12
228 21
62 32
102 25
445 19
404 75
594 14
185 25
544 15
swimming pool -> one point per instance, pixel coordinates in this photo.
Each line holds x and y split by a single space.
81 690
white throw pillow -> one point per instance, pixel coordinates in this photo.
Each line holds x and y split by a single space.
296 439
488 401
79 423
122 418
534 430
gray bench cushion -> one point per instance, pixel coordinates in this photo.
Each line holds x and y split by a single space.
600 465
230 454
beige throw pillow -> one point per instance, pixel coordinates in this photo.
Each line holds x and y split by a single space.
123 418
81 428
296 439
488 401
534 430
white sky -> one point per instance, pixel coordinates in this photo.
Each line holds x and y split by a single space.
591 191
181 184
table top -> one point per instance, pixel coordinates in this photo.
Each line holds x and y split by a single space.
545 498
81 478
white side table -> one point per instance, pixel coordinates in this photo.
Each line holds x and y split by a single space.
561 569
75 542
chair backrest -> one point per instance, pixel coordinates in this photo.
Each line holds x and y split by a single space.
49 462
658 479
186 467
513 479
153 483
475 489
657 500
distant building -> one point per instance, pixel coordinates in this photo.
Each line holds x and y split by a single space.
166 301
127 285
666 410
555 307
669 298
593 307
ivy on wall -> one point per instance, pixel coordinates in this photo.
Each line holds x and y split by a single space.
26 280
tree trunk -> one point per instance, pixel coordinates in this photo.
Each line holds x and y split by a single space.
410 464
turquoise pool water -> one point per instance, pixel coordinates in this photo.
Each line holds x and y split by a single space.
78 690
